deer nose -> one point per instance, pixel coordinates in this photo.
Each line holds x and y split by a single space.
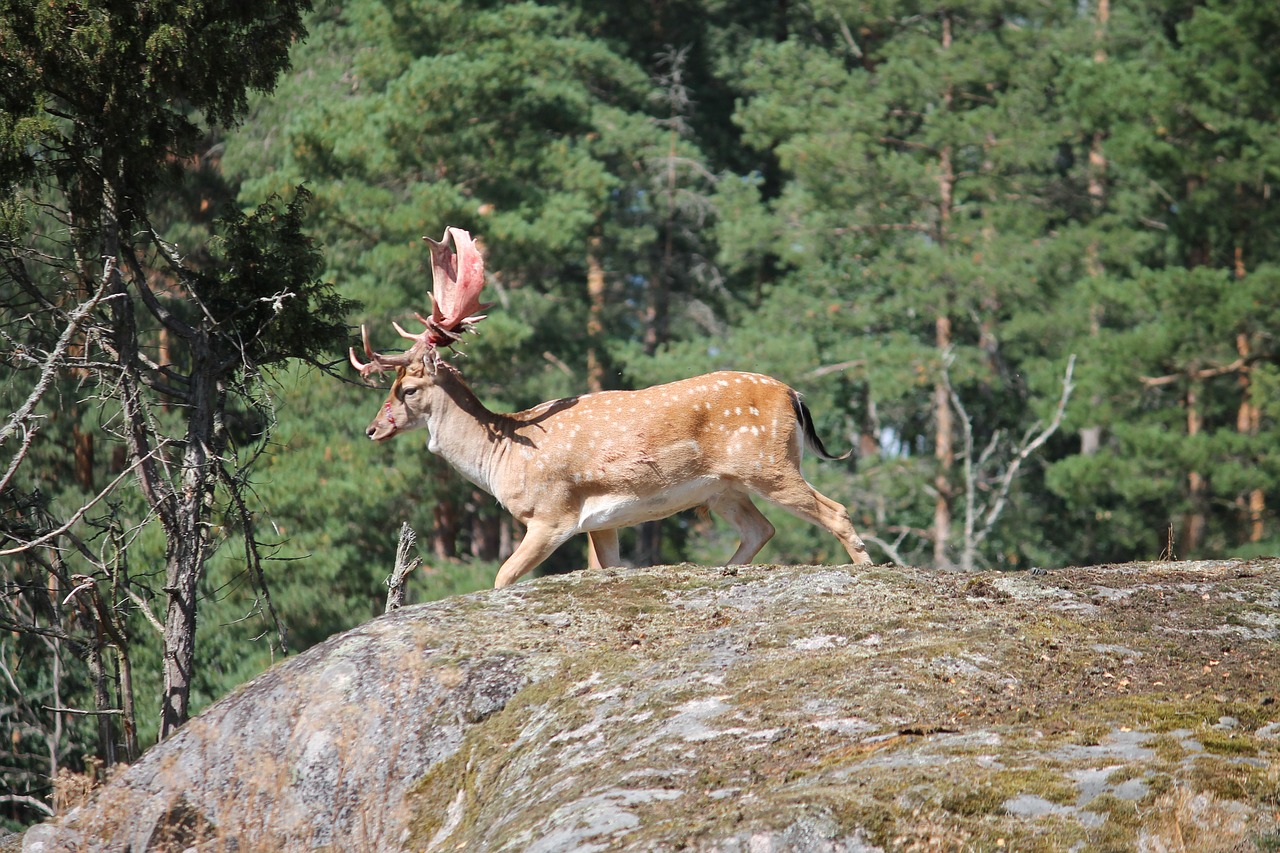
371 430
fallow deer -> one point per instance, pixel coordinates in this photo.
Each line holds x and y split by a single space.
598 462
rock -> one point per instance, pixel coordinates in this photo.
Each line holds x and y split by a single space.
773 708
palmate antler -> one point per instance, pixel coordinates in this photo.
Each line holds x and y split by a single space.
457 280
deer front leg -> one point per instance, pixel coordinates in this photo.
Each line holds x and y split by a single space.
540 540
602 549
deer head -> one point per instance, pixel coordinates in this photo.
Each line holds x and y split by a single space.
457 280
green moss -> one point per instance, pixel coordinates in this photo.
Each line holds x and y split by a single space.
1231 779
1267 842
1168 748
1163 712
988 794
1226 742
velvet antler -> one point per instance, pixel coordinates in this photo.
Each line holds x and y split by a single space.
457 280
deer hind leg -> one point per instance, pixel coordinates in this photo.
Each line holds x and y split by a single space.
794 494
539 542
754 530
602 549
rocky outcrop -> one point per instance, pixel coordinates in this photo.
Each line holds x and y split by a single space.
761 708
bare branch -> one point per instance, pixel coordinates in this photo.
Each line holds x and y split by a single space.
890 548
146 610
819 372
1204 373
406 562
1029 447
252 557
48 372
1032 441
30 802
164 315
76 516
82 712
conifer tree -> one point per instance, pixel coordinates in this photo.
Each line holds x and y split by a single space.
158 348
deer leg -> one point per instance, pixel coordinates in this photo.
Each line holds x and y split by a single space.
539 541
796 496
602 549
754 530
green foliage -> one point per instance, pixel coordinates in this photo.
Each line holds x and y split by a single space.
266 284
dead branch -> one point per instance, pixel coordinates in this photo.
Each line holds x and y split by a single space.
48 372
406 562
1031 442
76 516
1029 447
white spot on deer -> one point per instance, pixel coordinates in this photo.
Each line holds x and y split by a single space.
722 383
755 430
727 413
737 410
755 411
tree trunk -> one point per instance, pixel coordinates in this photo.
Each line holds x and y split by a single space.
83 455
1197 488
129 716
649 543
595 315
1248 419
486 531
1091 435
944 453
444 529
101 701
190 548
944 438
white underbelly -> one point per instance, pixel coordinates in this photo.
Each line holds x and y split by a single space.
604 512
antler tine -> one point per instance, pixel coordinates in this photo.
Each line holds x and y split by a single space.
378 363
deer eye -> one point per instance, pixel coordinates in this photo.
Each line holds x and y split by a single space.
410 391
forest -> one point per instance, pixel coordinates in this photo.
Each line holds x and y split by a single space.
1024 257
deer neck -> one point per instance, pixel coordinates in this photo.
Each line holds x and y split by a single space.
463 432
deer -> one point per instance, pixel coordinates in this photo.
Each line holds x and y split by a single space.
601 461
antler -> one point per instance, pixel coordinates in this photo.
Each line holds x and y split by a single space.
379 363
458 280
455 300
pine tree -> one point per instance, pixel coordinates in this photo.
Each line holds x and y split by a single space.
1183 466
160 350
